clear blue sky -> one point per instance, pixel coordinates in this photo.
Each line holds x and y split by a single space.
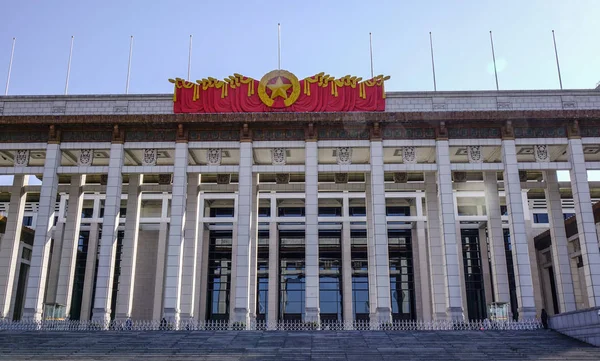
330 36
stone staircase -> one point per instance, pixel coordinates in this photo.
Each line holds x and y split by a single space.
291 346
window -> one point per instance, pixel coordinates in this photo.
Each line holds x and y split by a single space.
504 210
568 215
358 211
401 274
330 212
540 218
264 211
28 221
87 212
397 211
219 275
291 212
221 212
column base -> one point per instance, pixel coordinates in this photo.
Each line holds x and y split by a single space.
240 319
383 315
172 318
527 313
440 316
101 317
32 315
312 314
455 314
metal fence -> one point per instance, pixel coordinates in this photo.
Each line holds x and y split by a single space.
194 325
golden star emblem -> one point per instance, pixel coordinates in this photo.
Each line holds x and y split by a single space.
279 89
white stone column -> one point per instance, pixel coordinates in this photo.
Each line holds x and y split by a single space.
242 238
36 285
312 311
560 252
273 295
56 253
346 243
159 280
190 251
485 265
90 268
535 274
518 232
108 242
436 256
129 250
451 245
253 249
176 243
66 273
202 269
378 236
11 242
420 246
588 238
495 235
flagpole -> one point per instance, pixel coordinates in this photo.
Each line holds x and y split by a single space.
129 64
69 66
12 53
494 58
371 53
279 46
557 63
432 61
190 60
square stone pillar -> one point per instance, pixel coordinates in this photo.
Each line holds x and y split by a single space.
377 234
436 254
588 238
36 285
90 271
451 244
70 243
518 232
161 258
56 252
253 249
190 251
372 274
129 250
273 293
420 254
485 265
202 268
346 243
242 240
560 253
495 235
311 268
11 241
174 263
108 242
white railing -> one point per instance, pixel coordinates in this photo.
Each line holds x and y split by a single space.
193 325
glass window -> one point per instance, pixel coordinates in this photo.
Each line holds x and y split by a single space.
219 275
221 212
397 211
291 212
27 221
358 211
330 211
264 211
540 218
401 274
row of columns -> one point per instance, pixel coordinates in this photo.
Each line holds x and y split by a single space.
441 291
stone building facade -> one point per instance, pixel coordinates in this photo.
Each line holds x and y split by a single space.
426 211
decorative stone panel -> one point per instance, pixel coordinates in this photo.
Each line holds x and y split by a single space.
541 153
400 177
278 156
86 157
21 158
344 155
223 178
213 156
282 178
474 154
149 157
409 155
459 177
341 178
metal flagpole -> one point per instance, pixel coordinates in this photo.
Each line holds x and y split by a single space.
12 53
557 63
432 62
371 52
494 58
129 64
69 66
190 60
279 46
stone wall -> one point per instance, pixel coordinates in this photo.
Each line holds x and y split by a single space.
395 102
583 325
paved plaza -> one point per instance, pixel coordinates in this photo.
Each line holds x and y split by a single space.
291 346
